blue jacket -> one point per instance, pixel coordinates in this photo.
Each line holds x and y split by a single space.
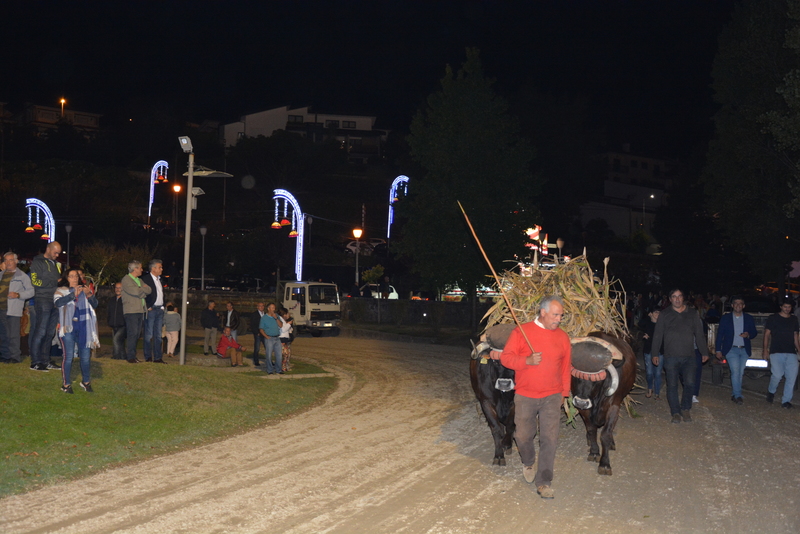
725 333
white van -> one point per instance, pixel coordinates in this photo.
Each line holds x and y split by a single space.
314 306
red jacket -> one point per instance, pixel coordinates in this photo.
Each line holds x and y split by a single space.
552 375
225 343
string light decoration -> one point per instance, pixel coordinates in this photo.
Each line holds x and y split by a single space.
297 222
158 174
399 183
40 209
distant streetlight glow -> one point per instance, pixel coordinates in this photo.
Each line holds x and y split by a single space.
357 233
63 101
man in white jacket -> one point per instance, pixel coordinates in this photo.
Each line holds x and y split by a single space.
15 289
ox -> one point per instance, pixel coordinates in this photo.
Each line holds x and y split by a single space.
494 388
603 373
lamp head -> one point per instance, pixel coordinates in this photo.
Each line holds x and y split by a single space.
186 144
357 233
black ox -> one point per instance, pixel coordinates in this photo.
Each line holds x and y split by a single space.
487 374
603 373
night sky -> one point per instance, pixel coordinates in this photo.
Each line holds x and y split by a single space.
643 65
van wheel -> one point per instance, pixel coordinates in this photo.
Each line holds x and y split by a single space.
315 333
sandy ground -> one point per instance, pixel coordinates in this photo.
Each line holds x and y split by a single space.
400 447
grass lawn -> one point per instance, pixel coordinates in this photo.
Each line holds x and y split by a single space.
136 411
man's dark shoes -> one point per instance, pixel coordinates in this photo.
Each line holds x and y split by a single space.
148 359
133 361
737 400
39 367
53 366
159 361
676 418
770 397
687 417
786 405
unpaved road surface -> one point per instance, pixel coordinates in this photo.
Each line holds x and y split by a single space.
400 448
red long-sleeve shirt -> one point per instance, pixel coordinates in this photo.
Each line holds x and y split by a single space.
552 375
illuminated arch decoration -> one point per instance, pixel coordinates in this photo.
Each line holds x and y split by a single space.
41 210
297 222
399 182
157 175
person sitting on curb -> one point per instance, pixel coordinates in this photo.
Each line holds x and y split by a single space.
229 348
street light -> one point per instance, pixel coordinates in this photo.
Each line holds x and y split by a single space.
68 228
357 232
203 231
177 189
643 200
63 101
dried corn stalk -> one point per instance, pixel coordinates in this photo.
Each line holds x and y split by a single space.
590 304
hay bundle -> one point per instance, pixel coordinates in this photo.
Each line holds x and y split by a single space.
590 304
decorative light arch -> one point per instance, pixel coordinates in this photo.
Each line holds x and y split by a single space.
39 207
298 225
400 181
157 174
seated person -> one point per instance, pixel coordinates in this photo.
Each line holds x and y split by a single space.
229 348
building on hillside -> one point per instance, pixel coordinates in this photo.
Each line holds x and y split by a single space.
45 119
634 187
355 133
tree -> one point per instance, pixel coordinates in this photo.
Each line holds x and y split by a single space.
470 150
746 178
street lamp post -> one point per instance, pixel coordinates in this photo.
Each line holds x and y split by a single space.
643 201
357 232
203 231
68 228
63 101
186 145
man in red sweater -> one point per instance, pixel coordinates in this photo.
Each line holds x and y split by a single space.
542 380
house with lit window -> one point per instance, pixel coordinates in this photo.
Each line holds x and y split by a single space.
355 133
45 119
634 187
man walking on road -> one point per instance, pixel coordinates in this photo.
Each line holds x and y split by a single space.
542 381
680 329
781 346
45 273
736 330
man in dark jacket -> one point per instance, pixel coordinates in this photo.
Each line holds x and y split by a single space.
230 319
736 329
209 320
154 319
116 320
680 329
45 273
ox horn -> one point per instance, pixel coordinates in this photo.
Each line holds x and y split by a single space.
614 379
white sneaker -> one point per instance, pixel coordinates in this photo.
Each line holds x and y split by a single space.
694 400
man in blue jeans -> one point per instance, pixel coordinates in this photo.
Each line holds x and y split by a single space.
154 318
45 273
736 330
781 346
679 327
270 328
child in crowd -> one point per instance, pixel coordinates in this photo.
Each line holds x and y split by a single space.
286 339
172 326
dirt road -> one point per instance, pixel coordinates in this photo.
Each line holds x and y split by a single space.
399 447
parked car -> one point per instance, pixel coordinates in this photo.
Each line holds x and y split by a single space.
366 246
376 293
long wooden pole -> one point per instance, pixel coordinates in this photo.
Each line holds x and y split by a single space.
496 278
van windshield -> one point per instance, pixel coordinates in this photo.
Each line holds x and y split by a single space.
323 295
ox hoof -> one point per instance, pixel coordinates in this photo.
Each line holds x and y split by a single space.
593 458
499 461
604 470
